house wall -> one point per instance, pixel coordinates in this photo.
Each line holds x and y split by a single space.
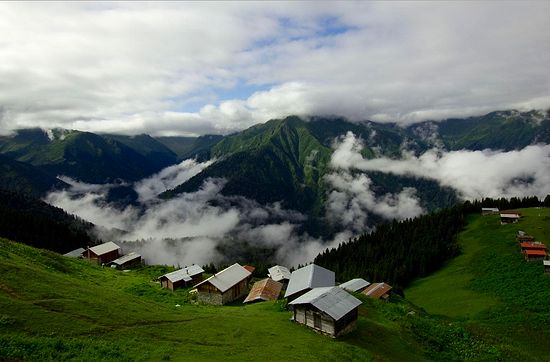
130 264
105 258
196 279
208 294
238 290
534 257
546 270
307 315
347 323
165 283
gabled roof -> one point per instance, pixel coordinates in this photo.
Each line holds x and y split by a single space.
185 274
528 245
104 248
510 216
494 209
279 273
309 277
535 252
334 301
377 290
126 258
266 289
75 253
355 285
227 278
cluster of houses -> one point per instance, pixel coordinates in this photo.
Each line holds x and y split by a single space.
312 294
108 254
534 251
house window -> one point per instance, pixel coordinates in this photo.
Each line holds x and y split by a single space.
317 321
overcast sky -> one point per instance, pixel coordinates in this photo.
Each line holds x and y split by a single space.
192 68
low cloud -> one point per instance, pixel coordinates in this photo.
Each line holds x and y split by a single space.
473 174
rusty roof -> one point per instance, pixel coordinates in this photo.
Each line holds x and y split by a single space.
266 289
250 268
527 245
377 290
535 252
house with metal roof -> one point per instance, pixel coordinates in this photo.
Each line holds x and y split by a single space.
103 253
489 211
522 236
306 278
329 310
266 289
224 286
535 254
355 285
509 217
127 261
378 291
182 278
546 264
279 273
76 253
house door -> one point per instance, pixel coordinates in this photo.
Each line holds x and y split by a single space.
317 321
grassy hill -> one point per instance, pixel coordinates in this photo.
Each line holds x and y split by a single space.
57 308
492 289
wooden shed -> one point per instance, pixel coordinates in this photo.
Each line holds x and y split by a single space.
279 273
355 285
266 289
329 310
225 286
182 278
378 291
127 261
77 253
546 264
522 236
489 211
306 278
103 253
535 254
509 216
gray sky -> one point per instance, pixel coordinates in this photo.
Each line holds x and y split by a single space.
194 68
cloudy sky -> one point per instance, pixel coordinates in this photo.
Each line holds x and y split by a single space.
205 67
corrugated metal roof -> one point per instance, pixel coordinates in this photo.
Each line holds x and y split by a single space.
546 262
489 209
528 245
278 273
126 258
185 274
334 301
355 285
266 289
510 216
377 290
75 253
227 278
308 277
104 248
535 252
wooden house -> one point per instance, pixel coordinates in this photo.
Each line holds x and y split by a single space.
532 246
306 278
182 278
378 291
546 264
535 254
225 286
522 236
103 253
77 253
127 261
489 211
509 216
279 274
355 285
329 310
266 289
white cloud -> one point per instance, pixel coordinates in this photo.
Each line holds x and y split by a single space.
148 67
474 174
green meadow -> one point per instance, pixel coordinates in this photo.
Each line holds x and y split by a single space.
487 304
492 289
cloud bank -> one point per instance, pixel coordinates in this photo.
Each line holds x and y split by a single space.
474 174
163 69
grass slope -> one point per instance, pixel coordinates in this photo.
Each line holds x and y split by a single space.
57 308
492 289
